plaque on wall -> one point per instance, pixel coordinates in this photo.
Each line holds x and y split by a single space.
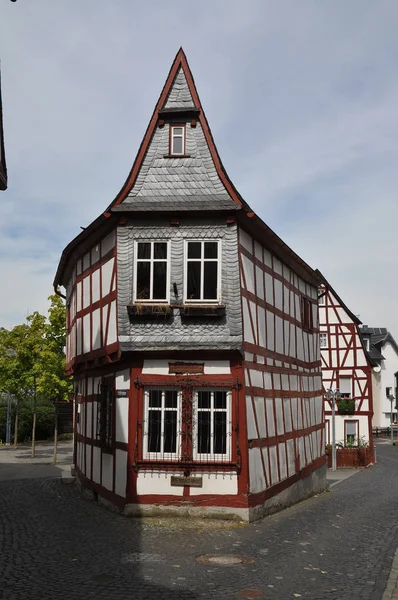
122 393
177 481
178 368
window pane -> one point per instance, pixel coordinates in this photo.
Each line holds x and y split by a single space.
203 399
155 398
159 280
170 431
154 429
204 432
144 250
171 399
177 130
211 249
193 284
220 432
351 428
160 250
177 145
210 282
194 250
143 280
220 399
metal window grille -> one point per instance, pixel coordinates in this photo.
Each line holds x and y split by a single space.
212 425
106 399
162 427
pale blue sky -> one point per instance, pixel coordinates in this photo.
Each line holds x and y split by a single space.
301 98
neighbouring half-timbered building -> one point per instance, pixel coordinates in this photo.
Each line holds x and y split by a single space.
192 336
346 366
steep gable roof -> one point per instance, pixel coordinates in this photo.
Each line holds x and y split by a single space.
327 285
3 168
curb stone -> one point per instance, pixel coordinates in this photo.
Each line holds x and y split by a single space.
391 591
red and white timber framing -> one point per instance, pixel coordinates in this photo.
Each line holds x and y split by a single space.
345 366
91 306
283 388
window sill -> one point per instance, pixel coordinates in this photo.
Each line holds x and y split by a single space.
198 310
157 312
176 156
177 465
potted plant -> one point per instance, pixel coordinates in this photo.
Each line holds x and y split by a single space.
346 406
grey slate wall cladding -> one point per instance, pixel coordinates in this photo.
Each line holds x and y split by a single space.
179 96
179 334
173 179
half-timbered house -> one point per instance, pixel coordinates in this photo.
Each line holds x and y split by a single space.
192 336
347 367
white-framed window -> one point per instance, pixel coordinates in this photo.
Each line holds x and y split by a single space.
212 425
366 343
151 271
162 420
202 271
323 340
345 387
177 140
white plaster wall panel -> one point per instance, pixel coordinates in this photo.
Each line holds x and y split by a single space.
301 452
292 349
86 334
276 378
305 344
251 424
258 251
343 341
280 427
287 414
277 265
285 382
246 240
301 285
300 424
273 465
278 294
300 346
122 380
312 409
286 272
157 482
217 484
107 471
86 291
290 457
256 472
86 261
257 378
260 282
247 378
89 389
78 296
95 253
266 465
318 410
269 288
294 402
308 452
292 304
261 360
270 417
282 461
315 315
121 473
248 271
253 311
270 331
247 326
267 258
211 367
267 381
122 419
88 460
96 317
334 364
261 327
298 308
107 243
89 431
106 273
286 335
315 447
342 354
95 419
286 300
96 291
259 404
112 333
279 335
293 382
248 356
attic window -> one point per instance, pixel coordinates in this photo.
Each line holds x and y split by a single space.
306 314
177 140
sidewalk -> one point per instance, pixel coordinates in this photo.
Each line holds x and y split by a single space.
335 477
17 463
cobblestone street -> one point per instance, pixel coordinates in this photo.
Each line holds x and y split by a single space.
336 546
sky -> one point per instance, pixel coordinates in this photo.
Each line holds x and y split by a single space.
301 97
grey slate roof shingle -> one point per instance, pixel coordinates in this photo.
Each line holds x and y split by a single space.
179 96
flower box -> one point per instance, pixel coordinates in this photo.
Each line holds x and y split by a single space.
351 457
346 406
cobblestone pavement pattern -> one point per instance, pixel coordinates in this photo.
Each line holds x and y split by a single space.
54 545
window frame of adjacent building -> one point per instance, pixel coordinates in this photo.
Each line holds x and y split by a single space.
105 431
212 455
151 261
202 260
355 437
323 336
174 136
161 454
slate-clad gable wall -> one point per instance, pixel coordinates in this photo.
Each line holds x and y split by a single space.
171 178
179 96
210 334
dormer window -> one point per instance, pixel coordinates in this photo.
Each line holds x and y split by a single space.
177 140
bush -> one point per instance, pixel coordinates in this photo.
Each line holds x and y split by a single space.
45 416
